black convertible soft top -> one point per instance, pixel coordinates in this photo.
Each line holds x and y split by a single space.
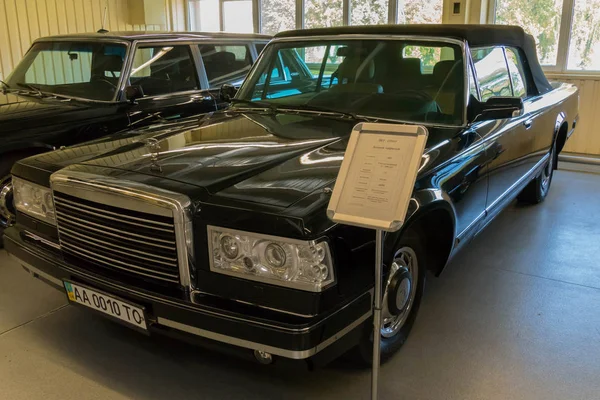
475 35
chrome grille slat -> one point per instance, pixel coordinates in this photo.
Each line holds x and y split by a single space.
167 264
112 260
150 275
101 211
69 232
123 240
69 219
95 215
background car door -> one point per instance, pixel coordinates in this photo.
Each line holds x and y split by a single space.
169 79
510 141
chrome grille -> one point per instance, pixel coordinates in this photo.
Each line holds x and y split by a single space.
121 240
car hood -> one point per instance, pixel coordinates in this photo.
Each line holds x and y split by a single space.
271 159
25 109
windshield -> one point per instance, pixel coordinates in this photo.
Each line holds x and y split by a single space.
76 69
408 80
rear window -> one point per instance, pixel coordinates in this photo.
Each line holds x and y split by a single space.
428 56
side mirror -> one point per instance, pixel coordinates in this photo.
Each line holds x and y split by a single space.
227 92
134 92
497 108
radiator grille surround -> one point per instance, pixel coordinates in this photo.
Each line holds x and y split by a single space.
139 232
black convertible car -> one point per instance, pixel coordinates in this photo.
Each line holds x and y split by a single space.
73 88
216 227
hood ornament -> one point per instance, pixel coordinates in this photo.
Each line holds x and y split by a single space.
153 146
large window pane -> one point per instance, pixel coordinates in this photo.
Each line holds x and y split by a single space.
277 16
540 18
584 50
420 11
369 12
238 16
323 13
204 15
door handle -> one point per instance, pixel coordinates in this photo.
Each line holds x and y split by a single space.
527 124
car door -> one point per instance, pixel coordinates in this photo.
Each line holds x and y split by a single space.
225 62
509 141
167 75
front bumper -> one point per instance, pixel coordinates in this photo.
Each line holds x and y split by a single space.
296 338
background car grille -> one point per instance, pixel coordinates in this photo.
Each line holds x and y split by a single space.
121 240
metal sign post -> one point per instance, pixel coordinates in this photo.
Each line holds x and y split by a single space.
372 190
377 314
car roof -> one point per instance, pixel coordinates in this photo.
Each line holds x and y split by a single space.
157 35
475 34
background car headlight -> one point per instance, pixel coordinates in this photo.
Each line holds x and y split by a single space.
275 260
34 200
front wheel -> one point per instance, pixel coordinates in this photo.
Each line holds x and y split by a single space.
402 293
537 190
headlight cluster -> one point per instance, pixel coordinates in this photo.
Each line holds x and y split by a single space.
34 200
279 261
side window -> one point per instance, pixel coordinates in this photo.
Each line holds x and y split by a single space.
492 72
515 67
164 69
225 63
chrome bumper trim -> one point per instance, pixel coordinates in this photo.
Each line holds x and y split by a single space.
190 307
294 354
36 272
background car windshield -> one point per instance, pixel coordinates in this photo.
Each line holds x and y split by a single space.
77 69
405 80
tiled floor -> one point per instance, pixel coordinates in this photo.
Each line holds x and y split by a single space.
516 316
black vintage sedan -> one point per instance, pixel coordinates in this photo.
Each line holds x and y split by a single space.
74 88
216 227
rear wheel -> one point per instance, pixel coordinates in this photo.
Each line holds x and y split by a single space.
538 188
402 293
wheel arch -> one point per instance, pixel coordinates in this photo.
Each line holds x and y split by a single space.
561 130
435 223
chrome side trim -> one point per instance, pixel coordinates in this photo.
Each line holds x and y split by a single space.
34 271
529 175
294 354
136 197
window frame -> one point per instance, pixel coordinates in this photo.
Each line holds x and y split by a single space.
564 40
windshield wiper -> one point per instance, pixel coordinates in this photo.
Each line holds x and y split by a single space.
32 88
254 103
5 85
319 109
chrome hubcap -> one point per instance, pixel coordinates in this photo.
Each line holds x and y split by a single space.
404 291
7 214
547 172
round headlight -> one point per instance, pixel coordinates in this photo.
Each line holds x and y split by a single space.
275 255
230 247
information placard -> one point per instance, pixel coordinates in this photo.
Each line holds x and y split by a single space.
377 176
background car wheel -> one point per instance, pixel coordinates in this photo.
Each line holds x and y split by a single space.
402 292
538 189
